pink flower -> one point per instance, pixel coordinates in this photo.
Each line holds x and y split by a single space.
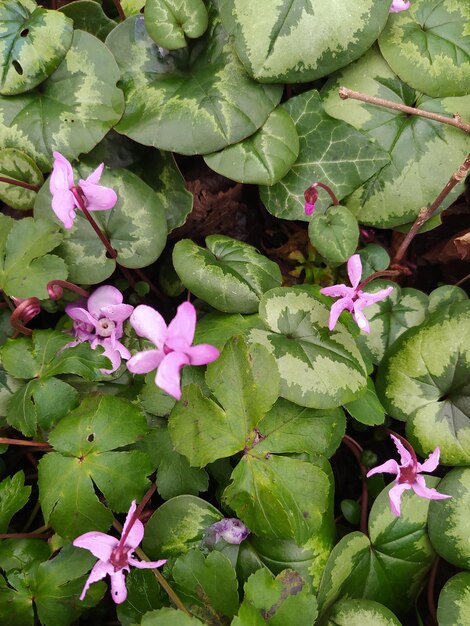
399 5
174 347
311 196
352 298
65 192
408 475
115 556
100 320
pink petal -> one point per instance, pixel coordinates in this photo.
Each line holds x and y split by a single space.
123 351
98 198
309 208
117 312
146 361
98 572
146 564
355 269
99 544
102 297
168 373
389 467
78 314
150 324
202 354
430 463
394 496
95 176
136 533
399 5
63 205
118 586
337 291
371 298
337 308
359 317
183 325
420 489
113 355
62 174
405 456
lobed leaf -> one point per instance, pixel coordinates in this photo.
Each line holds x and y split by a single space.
169 22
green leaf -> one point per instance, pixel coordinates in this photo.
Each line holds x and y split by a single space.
218 103
445 296
90 17
25 266
265 157
18 166
367 408
329 151
319 368
454 600
200 579
19 554
374 258
166 616
202 430
14 494
279 497
169 22
178 526
448 519
71 111
84 441
143 595
282 601
335 234
288 45
424 380
428 46
413 176
230 275
361 613
34 42
217 328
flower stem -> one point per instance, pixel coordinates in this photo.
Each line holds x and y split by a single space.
136 515
455 120
426 212
24 312
357 451
19 183
122 15
24 442
329 191
55 289
375 275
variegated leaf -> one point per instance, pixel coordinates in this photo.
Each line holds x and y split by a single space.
301 40
33 42
71 111
19 166
445 295
335 233
265 157
218 103
423 153
454 601
88 15
428 46
424 379
169 22
319 368
329 151
360 613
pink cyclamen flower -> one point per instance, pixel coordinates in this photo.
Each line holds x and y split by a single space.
230 529
311 196
100 321
174 347
408 475
115 555
352 298
399 5
64 191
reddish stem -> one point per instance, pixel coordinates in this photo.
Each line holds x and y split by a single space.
330 191
55 289
357 451
24 442
375 275
19 183
122 15
24 536
135 516
24 312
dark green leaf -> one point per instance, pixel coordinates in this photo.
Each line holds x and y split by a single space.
166 616
14 494
367 408
90 17
18 166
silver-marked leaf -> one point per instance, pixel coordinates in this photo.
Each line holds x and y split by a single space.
454 601
230 275
302 40
33 42
71 111
445 296
428 47
169 22
319 368
25 266
423 154
329 151
18 166
449 525
335 234
361 613
424 379
390 318
265 157
89 16
135 227
191 101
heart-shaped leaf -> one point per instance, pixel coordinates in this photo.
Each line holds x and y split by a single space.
18 166
34 41
428 47
335 234
303 40
169 22
360 613
230 275
218 103
329 151
88 15
454 600
265 157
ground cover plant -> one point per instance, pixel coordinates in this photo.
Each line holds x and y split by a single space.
234 325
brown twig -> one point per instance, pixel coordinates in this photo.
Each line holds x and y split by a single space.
24 442
25 535
122 15
19 183
357 451
456 120
427 212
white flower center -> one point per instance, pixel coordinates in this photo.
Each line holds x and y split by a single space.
105 327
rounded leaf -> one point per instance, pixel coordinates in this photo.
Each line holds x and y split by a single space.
169 22
230 275
335 234
454 601
361 613
88 15
33 43
265 157
428 47
18 166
